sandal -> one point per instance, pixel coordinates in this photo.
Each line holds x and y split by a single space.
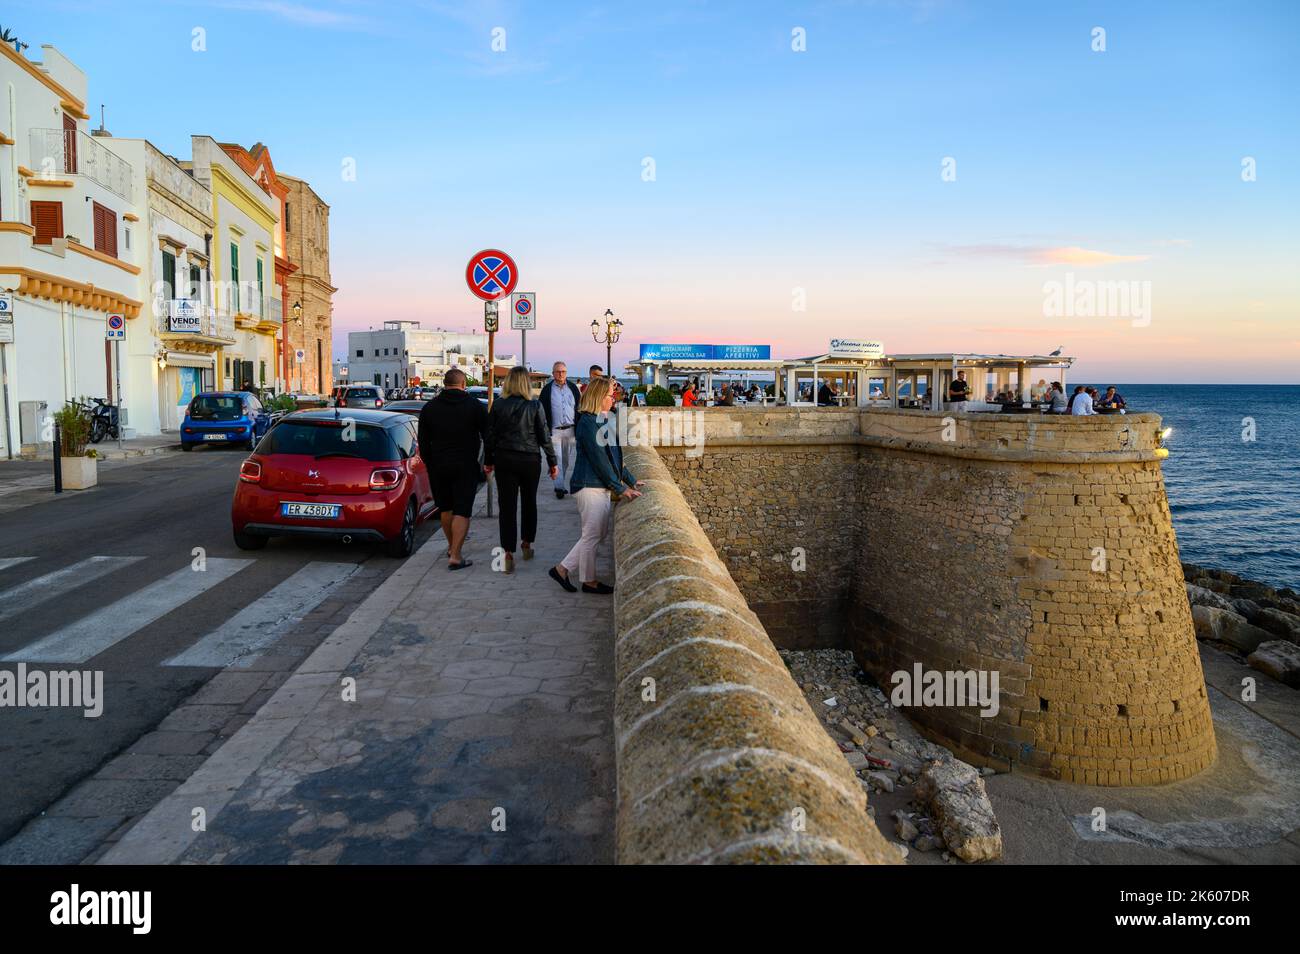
461 565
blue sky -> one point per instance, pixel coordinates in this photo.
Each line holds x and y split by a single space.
775 170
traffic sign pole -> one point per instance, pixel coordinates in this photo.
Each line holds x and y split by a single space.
117 362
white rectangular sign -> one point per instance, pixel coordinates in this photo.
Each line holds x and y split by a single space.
6 319
856 348
523 311
183 315
115 328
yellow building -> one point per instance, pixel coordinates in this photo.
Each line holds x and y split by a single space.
246 217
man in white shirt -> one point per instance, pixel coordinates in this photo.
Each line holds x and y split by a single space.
559 400
1082 404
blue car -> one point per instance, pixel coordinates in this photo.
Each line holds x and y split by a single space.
224 417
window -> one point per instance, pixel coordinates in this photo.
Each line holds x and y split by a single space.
169 276
105 230
361 353
47 219
376 355
196 283
377 381
234 277
385 352
126 235
286 216
261 291
69 145
261 368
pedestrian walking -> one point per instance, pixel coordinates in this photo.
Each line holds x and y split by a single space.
517 435
452 426
559 401
599 478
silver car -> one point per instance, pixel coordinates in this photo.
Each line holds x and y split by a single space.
369 396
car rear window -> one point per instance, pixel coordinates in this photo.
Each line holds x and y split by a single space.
368 441
362 392
216 407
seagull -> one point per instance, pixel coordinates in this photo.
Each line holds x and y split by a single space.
1057 352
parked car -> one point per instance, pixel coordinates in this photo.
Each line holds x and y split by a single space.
369 396
412 408
480 392
319 474
224 417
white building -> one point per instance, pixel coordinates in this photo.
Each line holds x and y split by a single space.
401 353
70 247
181 334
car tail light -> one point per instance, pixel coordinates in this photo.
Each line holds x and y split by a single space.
189 430
250 471
386 478
379 402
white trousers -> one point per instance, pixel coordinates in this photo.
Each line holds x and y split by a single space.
566 455
594 509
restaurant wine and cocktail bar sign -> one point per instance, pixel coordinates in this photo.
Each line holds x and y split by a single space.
705 352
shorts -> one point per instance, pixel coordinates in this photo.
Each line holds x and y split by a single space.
454 486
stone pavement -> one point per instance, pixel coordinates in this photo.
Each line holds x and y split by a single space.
481 729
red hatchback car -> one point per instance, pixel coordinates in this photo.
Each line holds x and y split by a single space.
335 473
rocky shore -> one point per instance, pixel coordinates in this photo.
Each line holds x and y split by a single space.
943 806
1251 621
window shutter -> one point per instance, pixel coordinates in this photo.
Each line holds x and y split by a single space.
105 230
169 274
69 144
47 220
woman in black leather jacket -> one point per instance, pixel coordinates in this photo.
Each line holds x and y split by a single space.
516 435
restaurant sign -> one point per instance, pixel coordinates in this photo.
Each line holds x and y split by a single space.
856 348
705 352
183 315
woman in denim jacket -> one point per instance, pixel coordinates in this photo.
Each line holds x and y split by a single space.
598 478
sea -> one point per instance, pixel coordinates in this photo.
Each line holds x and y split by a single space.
1232 475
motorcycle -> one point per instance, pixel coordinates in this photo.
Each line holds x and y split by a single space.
103 421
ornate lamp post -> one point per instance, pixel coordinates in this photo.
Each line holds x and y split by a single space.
613 328
297 317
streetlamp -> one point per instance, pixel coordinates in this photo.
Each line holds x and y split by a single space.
297 317
613 328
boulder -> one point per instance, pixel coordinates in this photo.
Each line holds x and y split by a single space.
1251 591
1279 623
1247 608
1200 596
904 827
1225 626
1279 659
960 805
1210 583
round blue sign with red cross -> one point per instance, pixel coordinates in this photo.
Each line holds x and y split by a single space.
491 274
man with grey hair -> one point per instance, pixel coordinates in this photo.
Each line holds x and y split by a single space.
559 400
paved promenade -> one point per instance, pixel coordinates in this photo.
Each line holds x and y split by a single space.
480 731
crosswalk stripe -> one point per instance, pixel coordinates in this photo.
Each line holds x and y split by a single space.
265 620
7 562
104 628
42 589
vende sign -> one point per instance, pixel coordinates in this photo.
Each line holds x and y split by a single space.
183 315
856 348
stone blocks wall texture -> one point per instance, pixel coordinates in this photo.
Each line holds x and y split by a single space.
1040 548
720 758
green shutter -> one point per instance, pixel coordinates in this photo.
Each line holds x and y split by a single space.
234 276
169 274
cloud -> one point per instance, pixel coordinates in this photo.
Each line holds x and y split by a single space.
1040 255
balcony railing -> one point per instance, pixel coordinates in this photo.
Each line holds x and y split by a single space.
182 316
57 152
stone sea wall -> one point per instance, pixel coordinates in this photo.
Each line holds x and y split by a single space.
1037 548
720 758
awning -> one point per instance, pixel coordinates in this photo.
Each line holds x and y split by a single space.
182 359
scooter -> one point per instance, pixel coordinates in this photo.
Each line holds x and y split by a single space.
103 421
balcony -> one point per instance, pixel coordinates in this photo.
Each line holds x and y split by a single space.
67 152
183 321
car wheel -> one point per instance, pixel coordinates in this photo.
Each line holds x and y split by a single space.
402 544
246 541
186 446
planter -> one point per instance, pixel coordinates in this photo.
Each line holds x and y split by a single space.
79 473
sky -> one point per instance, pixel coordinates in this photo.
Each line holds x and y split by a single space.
932 174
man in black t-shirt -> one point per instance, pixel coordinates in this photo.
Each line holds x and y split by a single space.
959 390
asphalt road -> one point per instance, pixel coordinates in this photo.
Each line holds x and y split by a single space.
129 614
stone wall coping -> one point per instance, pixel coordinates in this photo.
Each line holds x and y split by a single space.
927 447
720 759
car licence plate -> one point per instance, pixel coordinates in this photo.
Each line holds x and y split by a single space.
214 437
313 511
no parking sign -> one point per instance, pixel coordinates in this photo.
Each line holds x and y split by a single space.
523 311
115 328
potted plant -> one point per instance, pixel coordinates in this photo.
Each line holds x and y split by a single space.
80 470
